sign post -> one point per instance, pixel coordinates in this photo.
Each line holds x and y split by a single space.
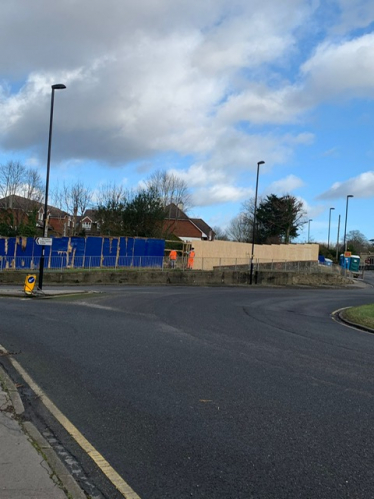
44 241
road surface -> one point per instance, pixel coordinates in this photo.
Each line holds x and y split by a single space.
231 393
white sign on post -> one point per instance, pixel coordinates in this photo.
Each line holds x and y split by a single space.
44 241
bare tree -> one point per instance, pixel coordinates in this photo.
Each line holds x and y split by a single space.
112 194
11 178
169 188
74 199
239 230
32 187
220 234
22 189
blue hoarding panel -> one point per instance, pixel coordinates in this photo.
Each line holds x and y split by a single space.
94 247
24 252
110 246
77 252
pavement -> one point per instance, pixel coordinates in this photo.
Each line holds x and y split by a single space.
29 467
17 291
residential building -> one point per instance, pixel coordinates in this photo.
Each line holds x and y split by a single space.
188 229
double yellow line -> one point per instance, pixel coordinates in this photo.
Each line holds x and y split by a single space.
99 460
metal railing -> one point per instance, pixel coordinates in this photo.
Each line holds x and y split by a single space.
63 263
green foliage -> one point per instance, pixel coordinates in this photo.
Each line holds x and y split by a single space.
143 215
110 215
138 216
7 225
278 219
27 227
327 253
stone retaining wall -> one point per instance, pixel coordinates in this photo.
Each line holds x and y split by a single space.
176 277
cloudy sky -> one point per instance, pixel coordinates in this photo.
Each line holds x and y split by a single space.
203 88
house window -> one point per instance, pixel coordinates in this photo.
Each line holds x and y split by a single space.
86 225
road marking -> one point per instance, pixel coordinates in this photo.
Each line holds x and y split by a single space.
105 467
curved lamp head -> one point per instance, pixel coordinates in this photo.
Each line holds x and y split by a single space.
350 196
260 163
58 86
332 208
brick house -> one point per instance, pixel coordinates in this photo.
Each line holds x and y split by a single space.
59 222
88 223
188 229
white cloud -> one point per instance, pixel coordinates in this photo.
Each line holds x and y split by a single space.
312 211
354 14
285 185
198 79
341 67
361 186
219 193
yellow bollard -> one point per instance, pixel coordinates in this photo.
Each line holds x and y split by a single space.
29 284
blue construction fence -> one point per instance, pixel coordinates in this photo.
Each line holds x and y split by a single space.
82 252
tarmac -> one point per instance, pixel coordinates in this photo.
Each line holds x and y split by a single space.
29 467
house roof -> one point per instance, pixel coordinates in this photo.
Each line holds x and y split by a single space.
182 228
18 203
203 226
15 202
88 214
173 212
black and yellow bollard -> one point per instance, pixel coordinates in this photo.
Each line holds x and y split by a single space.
29 284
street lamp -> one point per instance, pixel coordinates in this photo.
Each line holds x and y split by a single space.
310 220
58 86
345 227
328 238
254 222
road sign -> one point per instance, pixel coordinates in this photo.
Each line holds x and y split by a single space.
29 284
44 241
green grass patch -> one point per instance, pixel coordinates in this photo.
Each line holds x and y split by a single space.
363 315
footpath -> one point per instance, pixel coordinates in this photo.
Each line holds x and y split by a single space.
29 467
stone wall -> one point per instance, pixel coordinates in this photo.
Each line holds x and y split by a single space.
176 277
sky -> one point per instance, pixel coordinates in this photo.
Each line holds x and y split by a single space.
204 89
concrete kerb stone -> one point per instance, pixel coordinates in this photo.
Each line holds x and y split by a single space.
12 392
353 324
54 462
42 446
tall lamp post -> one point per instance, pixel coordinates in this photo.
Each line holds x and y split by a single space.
345 227
337 241
254 222
58 86
310 220
328 237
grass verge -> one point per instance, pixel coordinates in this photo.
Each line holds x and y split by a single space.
363 315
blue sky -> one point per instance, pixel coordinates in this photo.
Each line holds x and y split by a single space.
204 89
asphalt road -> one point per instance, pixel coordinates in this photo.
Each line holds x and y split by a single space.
209 392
